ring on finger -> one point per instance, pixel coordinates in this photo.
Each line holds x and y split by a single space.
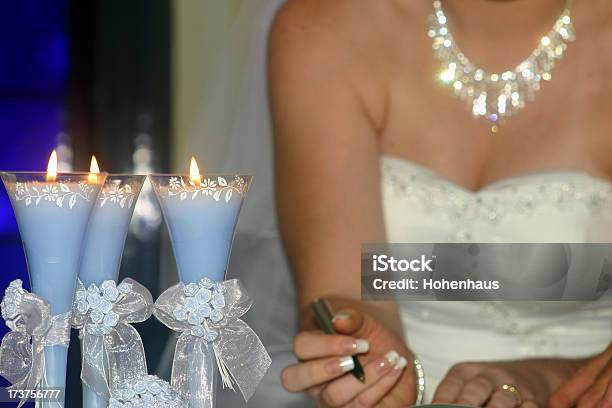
515 392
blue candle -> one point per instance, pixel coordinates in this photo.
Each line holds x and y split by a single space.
201 215
104 242
201 220
202 233
52 218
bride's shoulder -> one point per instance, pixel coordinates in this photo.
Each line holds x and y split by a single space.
344 24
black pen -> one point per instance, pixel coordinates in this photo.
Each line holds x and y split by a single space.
324 319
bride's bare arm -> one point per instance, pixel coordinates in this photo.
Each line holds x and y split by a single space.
328 193
326 154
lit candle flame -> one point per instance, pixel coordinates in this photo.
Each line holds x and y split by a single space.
94 170
194 172
52 167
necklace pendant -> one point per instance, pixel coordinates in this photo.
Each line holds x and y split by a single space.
497 96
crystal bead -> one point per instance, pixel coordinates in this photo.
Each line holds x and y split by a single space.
111 294
216 315
180 313
107 284
154 388
190 289
203 296
204 310
190 304
105 306
129 394
124 287
140 387
96 316
218 301
195 318
94 300
206 283
111 319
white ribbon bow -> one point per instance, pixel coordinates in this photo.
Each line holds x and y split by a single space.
112 350
207 315
22 358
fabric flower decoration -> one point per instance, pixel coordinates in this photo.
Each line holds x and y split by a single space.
149 391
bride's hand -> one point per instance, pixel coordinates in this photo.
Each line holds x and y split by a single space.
591 386
323 370
522 383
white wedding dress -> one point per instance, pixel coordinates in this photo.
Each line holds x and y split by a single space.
421 205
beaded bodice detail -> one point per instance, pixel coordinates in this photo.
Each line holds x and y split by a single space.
494 212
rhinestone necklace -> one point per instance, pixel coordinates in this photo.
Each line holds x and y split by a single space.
497 96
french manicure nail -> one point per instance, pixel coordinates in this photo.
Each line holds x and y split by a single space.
347 364
392 357
401 363
361 346
385 363
340 316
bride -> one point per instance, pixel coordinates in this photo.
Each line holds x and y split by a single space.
393 125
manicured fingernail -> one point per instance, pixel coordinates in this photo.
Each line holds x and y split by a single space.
347 364
384 364
361 346
355 346
392 357
341 316
401 363
340 365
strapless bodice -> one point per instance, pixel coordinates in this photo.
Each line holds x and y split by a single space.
551 206
421 205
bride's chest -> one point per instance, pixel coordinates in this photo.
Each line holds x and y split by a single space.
422 206
566 125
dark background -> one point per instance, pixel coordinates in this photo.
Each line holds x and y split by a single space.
87 77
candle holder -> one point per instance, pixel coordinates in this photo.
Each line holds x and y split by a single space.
100 263
52 217
201 216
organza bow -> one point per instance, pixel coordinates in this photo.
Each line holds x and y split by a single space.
22 358
208 315
112 350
